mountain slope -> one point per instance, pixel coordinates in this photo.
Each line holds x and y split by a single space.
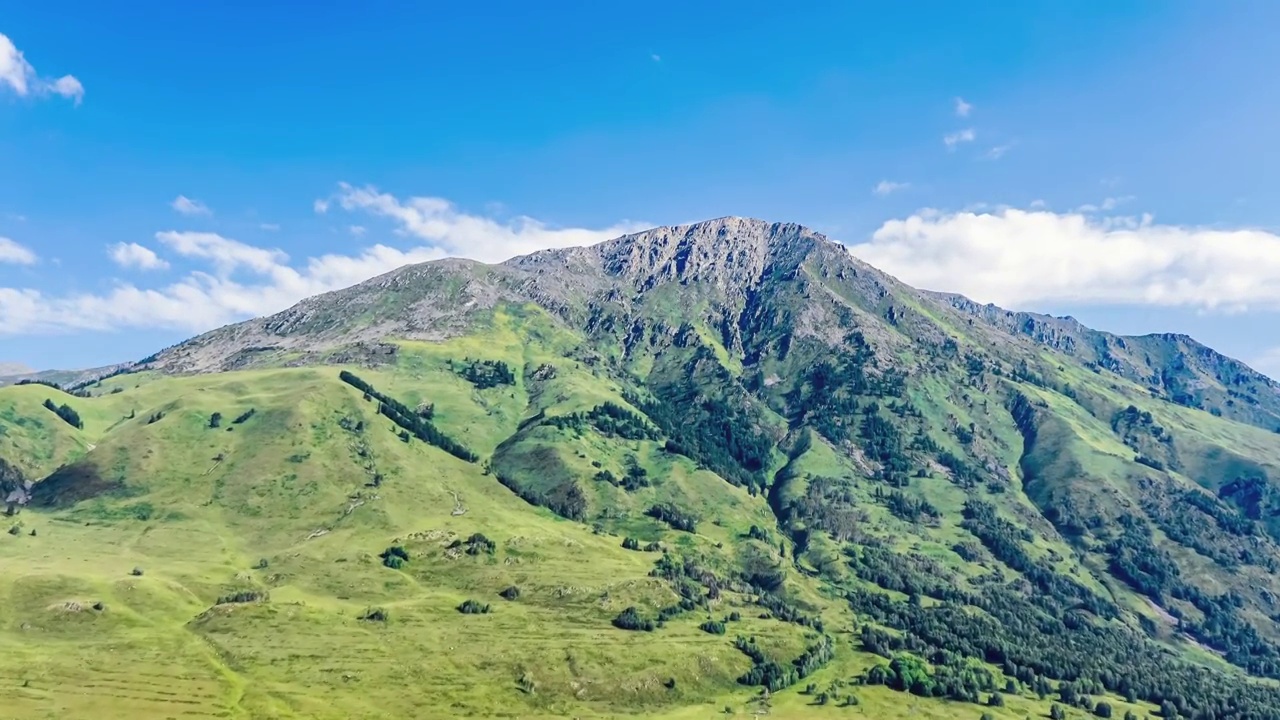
731 439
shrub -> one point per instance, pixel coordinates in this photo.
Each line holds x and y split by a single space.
374 614
511 593
673 516
713 627
242 596
473 607
215 420
394 557
136 572
630 544
630 619
261 565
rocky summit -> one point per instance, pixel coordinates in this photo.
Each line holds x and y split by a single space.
720 469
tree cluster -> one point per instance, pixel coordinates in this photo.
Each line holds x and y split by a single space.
409 420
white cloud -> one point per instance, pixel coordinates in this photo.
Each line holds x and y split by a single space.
239 280
270 227
13 253
963 108
888 187
23 80
1107 204
187 206
68 87
966 135
439 222
226 255
998 151
1015 257
133 255
655 57
357 230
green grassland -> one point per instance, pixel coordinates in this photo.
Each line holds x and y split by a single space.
109 602
121 589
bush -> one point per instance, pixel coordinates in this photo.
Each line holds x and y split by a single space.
630 544
1102 709
673 516
243 596
713 627
394 557
511 593
473 607
630 619
136 572
374 614
215 421
262 564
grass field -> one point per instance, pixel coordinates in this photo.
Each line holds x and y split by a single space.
109 603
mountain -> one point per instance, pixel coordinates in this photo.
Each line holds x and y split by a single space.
720 468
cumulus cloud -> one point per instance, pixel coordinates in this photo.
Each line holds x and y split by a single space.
443 226
133 255
237 280
22 79
963 108
951 140
888 187
1015 257
13 253
187 206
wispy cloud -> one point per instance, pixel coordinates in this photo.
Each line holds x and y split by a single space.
1107 204
1015 257
13 253
22 79
269 227
133 255
445 227
998 151
187 206
951 140
655 57
357 230
237 280
888 187
963 108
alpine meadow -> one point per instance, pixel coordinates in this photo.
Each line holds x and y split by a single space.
715 470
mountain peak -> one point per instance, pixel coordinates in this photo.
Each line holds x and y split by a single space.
726 251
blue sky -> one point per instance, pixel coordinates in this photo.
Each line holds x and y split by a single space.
166 168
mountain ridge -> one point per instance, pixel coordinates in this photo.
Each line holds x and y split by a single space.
730 252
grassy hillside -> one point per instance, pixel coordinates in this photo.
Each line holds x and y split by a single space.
682 487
